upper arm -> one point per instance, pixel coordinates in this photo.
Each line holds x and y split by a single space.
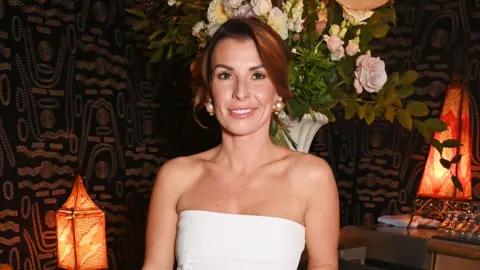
162 216
322 218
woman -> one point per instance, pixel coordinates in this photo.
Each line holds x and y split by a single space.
247 203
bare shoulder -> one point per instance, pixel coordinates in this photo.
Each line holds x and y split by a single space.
314 174
310 167
178 174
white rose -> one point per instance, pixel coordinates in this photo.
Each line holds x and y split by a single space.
261 7
335 45
356 17
352 48
278 21
370 73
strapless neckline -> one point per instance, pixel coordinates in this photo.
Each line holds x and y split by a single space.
208 212
209 240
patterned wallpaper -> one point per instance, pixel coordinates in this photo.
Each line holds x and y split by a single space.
76 94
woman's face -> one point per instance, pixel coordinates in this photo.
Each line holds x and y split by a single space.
243 95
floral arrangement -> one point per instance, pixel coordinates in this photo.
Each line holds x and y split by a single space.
332 67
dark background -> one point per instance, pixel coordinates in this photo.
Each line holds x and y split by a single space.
77 93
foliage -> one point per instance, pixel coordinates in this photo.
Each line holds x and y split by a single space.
332 65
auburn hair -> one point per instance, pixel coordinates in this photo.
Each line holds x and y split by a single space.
272 49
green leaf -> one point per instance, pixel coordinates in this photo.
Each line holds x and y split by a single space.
457 183
273 128
144 23
369 117
155 34
350 111
456 159
417 109
405 91
137 12
361 111
437 144
379 29
389 96
329 114
170 52
436 124
390 113
297 109
346 69
445 163
408 77
157 55
451 143
397 102
422 128
404 118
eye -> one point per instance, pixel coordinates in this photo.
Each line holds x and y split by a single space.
224 76
258 76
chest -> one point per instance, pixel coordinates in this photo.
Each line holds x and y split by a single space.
262 193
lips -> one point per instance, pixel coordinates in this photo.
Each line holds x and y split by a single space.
241 113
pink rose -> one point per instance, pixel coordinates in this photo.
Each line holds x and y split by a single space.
370 74
335 45
296 37
352 48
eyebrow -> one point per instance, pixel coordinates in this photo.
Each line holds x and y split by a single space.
231 68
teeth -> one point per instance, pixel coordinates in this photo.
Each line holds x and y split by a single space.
242 111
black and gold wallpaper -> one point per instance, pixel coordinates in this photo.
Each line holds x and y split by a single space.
77 94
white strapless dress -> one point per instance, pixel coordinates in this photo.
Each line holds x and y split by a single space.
223 241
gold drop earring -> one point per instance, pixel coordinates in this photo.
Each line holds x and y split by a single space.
209 106
279 106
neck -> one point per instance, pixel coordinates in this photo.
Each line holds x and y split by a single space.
243 154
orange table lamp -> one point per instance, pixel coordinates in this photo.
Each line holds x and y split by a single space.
81 237
436 182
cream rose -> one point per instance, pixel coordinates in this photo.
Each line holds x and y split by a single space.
370 73
261 7
335 45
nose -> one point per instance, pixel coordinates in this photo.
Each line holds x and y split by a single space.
241 91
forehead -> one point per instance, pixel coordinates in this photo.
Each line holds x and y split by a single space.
235 51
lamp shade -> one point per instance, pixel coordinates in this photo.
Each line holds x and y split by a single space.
81 242
436 182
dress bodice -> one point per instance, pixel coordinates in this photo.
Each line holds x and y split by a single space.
222 241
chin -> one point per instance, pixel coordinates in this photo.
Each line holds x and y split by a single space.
244 128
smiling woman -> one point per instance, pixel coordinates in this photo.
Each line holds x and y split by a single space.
247 203
273 53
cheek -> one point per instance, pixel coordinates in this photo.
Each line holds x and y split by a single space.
264 90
